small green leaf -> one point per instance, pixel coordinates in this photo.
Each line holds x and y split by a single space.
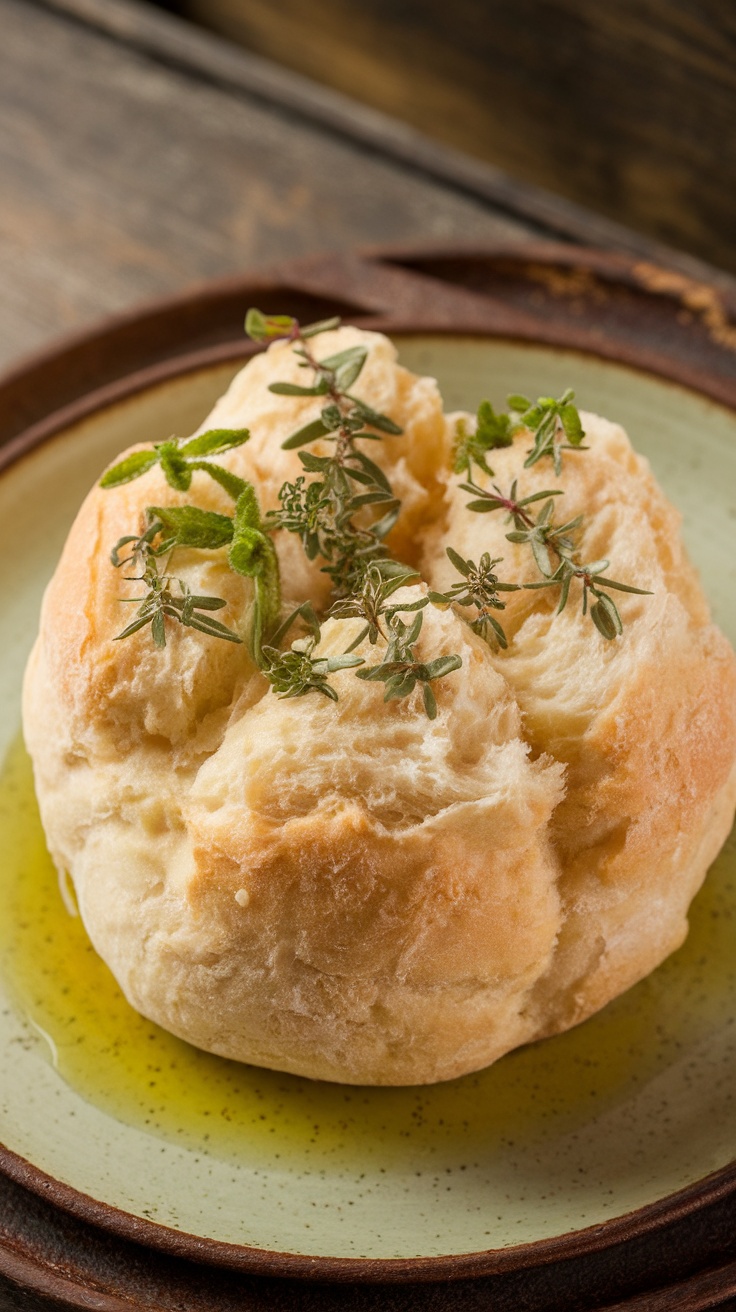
564 592
345 662
192 527
463 566
373 469
349 372
293 389
539 496
133 628
493 430
309 433
331 417
500 635
314 464
176 471
232 483
214 441
430 702
247 509
158 629
603 621
207 603
382 527
541 555
249 552
255 325
570 419
611 610
372 673
376 420
212 628
131 467
415 629
624 587
443 665
262 328
322 326
399 686
485 506
351 355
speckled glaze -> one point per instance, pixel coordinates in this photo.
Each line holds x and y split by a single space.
629 1108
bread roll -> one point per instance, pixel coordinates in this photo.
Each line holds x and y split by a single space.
352 891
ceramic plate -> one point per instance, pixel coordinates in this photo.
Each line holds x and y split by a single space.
628 1109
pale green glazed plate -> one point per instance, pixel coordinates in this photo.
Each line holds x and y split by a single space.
630 1108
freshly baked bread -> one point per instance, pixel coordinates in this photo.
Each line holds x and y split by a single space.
350 890
644 725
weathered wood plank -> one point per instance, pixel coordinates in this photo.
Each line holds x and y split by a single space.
124 179
629 108
346 46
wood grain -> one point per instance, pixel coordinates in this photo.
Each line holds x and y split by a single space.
628 108
123 179
175 43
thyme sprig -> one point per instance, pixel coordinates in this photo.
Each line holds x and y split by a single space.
172 597
555 550
472 445
380 582
400 670
478 586
342 507
323 514
179 460
251 552
550 420
298 671
328 512
603 612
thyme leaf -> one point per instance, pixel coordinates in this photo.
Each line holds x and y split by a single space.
400 671
178 460
380 581
550 420
478 586
297 672
171 597
491 431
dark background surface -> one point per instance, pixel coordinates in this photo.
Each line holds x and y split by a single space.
627 106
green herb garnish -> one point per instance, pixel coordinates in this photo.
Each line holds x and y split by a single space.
296 672
400 671
171 596
478 587
554 547
550 420
491 431
343 508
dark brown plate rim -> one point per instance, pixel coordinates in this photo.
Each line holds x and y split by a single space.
257 1261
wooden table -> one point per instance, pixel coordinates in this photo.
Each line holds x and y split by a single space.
139 157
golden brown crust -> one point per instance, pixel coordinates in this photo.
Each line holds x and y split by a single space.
352 891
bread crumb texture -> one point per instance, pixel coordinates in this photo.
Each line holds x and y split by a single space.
351 891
